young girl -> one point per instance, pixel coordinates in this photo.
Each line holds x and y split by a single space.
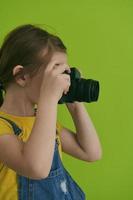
32 62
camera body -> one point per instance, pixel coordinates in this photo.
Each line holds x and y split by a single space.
82 90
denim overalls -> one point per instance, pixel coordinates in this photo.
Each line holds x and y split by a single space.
59 185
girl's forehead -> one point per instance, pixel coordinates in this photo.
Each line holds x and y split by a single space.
60 56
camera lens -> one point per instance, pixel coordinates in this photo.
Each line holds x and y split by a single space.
86 90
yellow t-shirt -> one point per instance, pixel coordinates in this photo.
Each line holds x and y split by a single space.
8 178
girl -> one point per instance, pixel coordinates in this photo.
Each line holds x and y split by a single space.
32 62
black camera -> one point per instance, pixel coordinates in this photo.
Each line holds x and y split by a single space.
82 90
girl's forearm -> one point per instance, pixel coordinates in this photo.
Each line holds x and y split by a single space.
86 133
39 148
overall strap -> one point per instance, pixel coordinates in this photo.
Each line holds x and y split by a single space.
16 129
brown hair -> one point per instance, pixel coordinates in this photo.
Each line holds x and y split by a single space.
25 46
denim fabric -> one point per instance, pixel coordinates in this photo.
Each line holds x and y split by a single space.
59 185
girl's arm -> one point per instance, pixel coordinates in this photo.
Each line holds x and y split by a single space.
38 150
32 158
85 144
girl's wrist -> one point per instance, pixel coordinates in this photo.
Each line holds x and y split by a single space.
73 107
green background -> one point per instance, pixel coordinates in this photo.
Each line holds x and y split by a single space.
98 35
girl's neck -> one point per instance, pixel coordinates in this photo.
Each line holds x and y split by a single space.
17 103
18 113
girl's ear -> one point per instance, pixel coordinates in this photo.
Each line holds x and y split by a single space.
19 76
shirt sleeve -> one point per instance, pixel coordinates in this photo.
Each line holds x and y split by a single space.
5 128
59 127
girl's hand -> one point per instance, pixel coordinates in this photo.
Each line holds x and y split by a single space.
55 82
